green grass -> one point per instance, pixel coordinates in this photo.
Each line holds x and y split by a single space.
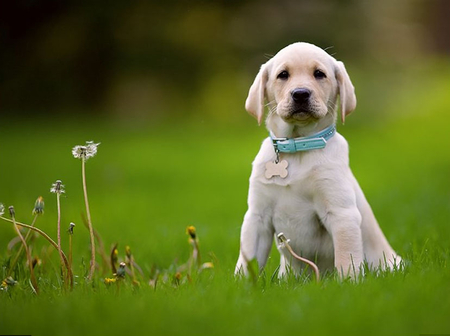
149 181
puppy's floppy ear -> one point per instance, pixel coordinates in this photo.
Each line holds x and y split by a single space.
347 95
255 100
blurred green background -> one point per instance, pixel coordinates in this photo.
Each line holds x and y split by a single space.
162 86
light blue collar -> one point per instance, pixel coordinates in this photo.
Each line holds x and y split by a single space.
293 145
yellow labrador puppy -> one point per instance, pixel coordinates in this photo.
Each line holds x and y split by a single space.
301 183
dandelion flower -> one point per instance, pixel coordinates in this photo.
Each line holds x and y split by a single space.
8 282
86 152
57 188
128 252
12 213
109 281
39 206
121 271
190 230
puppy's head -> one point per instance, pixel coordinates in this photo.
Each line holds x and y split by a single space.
301 84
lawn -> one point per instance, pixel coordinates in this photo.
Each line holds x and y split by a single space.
150 180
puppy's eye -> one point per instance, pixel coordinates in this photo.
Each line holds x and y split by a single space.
283 75
318 74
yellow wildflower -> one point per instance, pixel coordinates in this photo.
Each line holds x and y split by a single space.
190 230
109 281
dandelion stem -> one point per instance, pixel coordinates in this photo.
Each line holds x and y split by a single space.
70 231
58 206
50 240
193 239
196 254
70 251
27 251
100 246
88 214
113 258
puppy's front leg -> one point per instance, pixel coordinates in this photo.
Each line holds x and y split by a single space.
344 226
256 241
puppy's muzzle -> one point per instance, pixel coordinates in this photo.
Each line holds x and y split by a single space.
301 100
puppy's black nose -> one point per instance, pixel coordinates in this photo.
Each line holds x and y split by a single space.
300 95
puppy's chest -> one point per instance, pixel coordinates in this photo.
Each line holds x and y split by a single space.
292 171
290 197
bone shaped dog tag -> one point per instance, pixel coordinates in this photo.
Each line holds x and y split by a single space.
276 169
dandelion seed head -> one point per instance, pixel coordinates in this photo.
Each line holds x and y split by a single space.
78 151
87 151
57 188
91 148
2 209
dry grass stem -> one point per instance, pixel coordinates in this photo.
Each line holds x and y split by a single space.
50 240
34 284
285 243
14 262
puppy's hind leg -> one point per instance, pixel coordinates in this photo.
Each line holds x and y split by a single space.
256 241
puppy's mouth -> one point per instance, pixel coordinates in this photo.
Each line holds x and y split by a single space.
301 114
